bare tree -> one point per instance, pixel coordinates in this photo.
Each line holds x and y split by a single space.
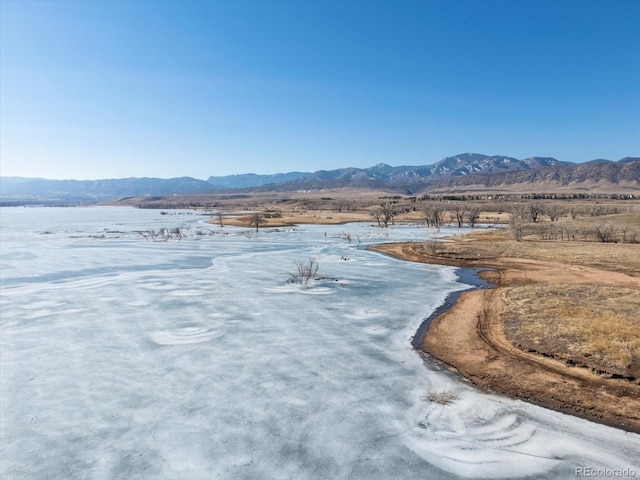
516 225
543 231
570 232
219 215
555 212
385 213
345 205
389 211
628 234
458 213
584 231
535 210
434 216
605 232
256 220
574 213
473 215
624 229
377 214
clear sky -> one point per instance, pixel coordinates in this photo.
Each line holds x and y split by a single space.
110 89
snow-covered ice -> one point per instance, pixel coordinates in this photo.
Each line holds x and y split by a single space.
131 358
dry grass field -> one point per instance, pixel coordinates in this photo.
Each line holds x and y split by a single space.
555 311
594 325
588 325
492 244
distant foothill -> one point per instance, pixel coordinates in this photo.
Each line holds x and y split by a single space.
448 175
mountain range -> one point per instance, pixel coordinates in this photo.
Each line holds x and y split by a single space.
386 175
456 173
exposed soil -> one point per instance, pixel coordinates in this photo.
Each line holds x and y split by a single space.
471 338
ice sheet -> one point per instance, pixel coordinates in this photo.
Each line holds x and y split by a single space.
128 358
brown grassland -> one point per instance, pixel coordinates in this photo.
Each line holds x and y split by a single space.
588 325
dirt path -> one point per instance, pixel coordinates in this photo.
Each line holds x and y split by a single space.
470 337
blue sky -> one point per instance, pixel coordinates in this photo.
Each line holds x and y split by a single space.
109 89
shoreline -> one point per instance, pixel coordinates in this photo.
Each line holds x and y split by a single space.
467 334
466 275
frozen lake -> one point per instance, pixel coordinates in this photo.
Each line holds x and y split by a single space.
123 357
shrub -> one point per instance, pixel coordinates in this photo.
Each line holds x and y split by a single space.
443 397
305 272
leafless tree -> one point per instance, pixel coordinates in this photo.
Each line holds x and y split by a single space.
624 229
574 213
570 232
345 205
434 216
555 212
543 231
459 213
516 225
473 215
390 212
385 213
628 234
584 231
256 220
605 232
377 214
535 210
219 215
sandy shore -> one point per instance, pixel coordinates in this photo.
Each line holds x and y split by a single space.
470 338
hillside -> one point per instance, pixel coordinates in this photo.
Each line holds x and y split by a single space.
464 173
594 176
21 189
386 175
